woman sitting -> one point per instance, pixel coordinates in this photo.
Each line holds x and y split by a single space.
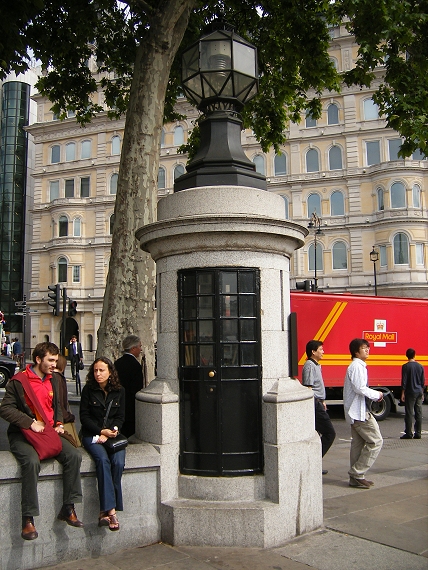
102 387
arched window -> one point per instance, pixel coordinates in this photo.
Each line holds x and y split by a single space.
333 114
398 195
335 158
113 183
55 154
380 200
63 226
312 160
77 227
162 138
401 249
85 150
53 190
161 177
371 110
337 204
178 171
62 270
280 164
311 254
115 145
178 136
70 151
314 204
309 120
334 62
416 192
286 207
259 162
111 224
340 257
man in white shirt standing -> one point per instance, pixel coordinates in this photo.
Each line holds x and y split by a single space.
366 440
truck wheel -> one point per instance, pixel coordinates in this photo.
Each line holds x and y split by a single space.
381 409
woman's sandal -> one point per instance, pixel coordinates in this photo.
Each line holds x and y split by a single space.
113 522
104 519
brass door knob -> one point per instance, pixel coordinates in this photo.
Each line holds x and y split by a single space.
211 373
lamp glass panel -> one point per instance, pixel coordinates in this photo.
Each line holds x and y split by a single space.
190 63
216 54
244 59
243 85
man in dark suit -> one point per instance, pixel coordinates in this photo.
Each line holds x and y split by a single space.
76 355
131 376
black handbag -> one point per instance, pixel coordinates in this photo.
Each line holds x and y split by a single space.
81 365
114 444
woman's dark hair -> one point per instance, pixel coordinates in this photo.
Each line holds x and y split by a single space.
356 344
113 384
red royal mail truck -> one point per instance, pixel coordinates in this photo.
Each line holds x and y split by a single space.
390 324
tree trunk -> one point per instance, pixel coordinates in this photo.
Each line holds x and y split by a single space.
128 306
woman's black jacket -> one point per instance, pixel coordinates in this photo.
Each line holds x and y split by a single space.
93 407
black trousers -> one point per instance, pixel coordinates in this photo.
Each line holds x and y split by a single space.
324 427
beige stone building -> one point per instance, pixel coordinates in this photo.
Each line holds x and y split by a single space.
343 166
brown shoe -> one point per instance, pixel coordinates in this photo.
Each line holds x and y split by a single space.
360 483
68 514
29 531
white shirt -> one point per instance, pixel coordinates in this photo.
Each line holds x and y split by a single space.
355 391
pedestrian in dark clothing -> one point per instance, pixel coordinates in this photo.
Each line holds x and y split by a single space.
412 394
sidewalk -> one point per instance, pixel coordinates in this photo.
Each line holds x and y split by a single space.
383 528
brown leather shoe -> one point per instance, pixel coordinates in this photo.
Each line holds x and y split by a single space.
68 514
360 483
29 531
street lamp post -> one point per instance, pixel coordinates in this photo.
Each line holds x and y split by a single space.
315 224
374 256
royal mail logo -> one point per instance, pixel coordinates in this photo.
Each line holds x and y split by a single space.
380 336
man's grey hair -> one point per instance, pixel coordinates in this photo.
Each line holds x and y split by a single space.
130 342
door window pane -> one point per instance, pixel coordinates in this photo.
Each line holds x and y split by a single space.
229 330
205 284
189 308
247 282
189 284
189 331
248 354
206 331
229 282
248 329
229 306
206 355
205 307
230 355
247 306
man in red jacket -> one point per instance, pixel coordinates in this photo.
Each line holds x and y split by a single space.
19 411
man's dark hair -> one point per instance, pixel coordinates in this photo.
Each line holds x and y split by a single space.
43 348
410 353
356 344
312 345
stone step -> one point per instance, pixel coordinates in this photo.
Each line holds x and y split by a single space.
247 488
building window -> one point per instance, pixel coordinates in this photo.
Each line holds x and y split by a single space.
401 249
398 195
416 192
178 171
380 201
76 273
335 158
161 178
418 155
286 207
62 270
314 204
90 343
280 164
71 113
69 188
77 227
312 160
70 151
311 253
63 226
371 110
373 152
85 150
85 187
162 138
113 183
333 114
259 163
55 154
383 259
337 204
334 63
309 120
394 146
419 254
178 136
115 145
111 224
53 190
340 256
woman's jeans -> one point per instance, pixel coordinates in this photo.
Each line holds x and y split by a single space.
109 469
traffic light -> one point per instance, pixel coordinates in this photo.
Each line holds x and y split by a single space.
54 298
306 285
72 308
